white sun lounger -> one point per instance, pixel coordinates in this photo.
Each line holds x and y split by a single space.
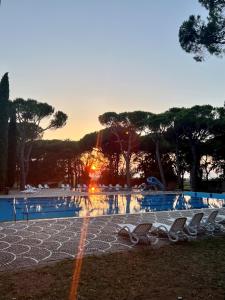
135 233
193 224
174 232
29 191
210 224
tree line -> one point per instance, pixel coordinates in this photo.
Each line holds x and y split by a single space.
135 145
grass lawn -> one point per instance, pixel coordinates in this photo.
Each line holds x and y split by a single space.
194 270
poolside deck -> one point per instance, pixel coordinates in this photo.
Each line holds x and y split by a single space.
37 242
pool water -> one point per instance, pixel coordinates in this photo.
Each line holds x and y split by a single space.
97 205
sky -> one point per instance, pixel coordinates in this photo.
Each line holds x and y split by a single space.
87 57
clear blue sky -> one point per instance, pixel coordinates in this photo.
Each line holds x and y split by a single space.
86 57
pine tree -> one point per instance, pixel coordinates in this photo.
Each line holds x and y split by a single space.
4 103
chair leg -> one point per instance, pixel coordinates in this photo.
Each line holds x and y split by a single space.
134 238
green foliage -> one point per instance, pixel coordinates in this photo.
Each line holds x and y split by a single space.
198 36
4 115
126 127
126 120
53 161
58 121
88 142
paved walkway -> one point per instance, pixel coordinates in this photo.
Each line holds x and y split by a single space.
26 244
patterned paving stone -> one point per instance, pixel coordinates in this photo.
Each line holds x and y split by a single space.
58 227
93 229
59 238
64 222
8 231
42 236
31 242
35 228
90 231
2 235
50 231
116 221
69 234
6 224
25 233
106 237
4 245
59 256
109 229
120 247
75 227
97 223
6 257
70 247
37 253
12 239
43 223
51 245
89 251
18 249
22 262
98 244
20 225
89 235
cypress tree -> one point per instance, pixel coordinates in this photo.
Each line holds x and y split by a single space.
12 146
4 103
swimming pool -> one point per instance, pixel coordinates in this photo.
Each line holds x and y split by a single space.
97 205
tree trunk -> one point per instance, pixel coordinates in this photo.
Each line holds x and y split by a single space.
127 162
27 154
12 146
194 168
22 167
157 152
179 178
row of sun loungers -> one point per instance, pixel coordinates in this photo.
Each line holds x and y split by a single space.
180 229
31 189
80 187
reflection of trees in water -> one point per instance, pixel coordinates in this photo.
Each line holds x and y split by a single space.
128 200
113 205
84 202
49 206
